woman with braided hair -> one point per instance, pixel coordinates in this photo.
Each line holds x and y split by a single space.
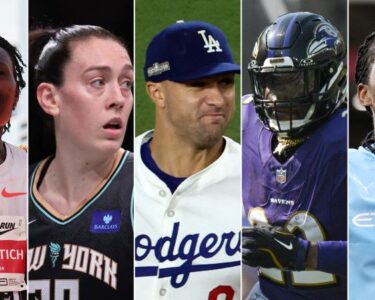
362 184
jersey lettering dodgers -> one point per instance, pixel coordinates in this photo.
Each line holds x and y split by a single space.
306 194
187 244
362 223
13 209
88 255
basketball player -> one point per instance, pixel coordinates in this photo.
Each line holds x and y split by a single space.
81 241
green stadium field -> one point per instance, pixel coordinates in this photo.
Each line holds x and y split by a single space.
153 16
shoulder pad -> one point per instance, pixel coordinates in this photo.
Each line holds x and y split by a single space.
246 99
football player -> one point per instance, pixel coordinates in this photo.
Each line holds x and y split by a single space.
362 184
294 160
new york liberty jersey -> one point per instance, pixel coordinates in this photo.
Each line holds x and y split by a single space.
88 255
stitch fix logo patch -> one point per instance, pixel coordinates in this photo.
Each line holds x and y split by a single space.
106 221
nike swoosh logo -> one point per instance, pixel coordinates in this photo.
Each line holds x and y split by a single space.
5 231
6 194
289 247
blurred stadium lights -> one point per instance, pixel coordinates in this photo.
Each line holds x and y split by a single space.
362 1
273 9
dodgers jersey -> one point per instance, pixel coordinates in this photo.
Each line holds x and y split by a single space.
88 255
306 195
362 224
13 209
187 244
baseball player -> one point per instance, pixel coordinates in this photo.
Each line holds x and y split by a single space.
13 178
187 184
362 184
81 240
294 160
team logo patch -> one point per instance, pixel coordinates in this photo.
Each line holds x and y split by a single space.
54 253
280 176
108 221
325 40
210 43
158 68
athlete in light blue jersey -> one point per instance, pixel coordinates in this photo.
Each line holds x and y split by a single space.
362 185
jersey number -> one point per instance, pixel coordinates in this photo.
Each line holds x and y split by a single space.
224 290
64 289
311 229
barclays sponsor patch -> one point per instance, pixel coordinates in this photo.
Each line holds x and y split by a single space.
105 221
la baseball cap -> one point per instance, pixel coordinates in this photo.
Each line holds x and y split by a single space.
186 51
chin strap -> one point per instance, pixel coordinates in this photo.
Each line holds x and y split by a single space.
369 142
284 144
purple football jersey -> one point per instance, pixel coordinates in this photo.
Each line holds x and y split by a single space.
306 195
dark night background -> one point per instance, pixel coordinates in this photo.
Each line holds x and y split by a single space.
116 16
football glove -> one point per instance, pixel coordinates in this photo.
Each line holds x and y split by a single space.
273 247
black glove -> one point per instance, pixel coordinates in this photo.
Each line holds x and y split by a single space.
273 247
